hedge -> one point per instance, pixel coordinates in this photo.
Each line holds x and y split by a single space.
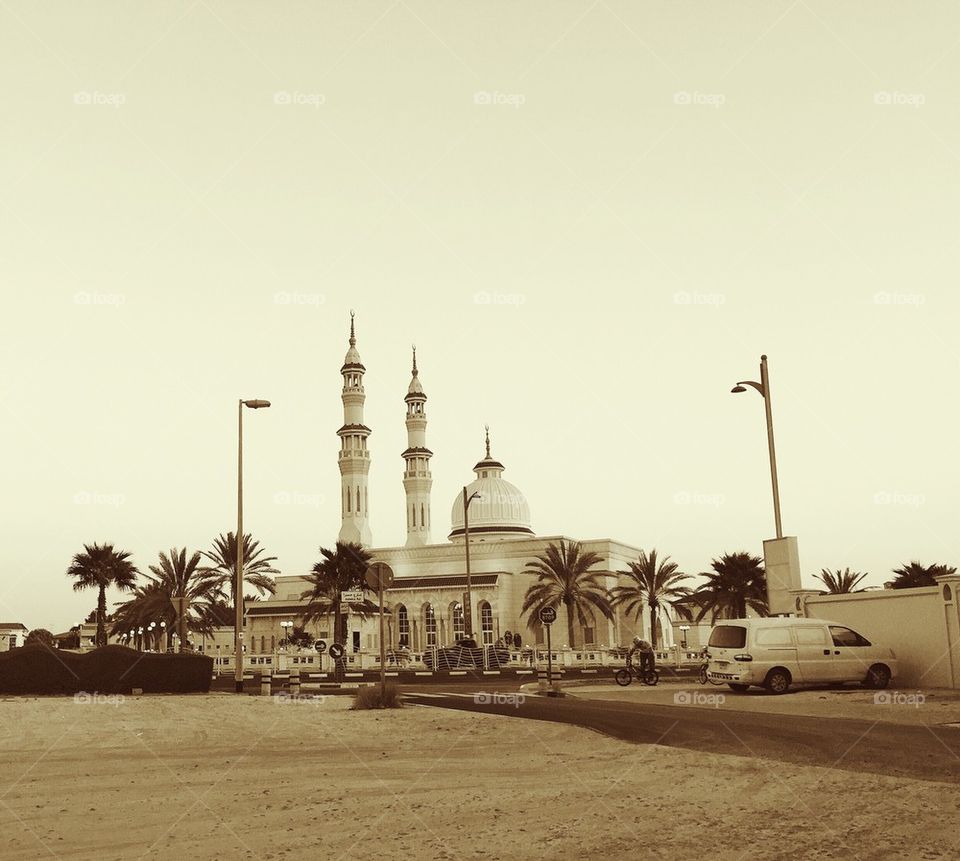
37 669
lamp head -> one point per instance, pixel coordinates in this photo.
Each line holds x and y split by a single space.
256 404
737 390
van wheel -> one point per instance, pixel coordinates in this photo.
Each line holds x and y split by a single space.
777 681
738 688
878 677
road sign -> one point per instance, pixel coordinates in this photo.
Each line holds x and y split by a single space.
320 646
379 575
353 596
547 615
336 651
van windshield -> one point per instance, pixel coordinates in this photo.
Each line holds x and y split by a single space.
728 637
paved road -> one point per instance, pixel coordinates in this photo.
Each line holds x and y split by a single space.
923 753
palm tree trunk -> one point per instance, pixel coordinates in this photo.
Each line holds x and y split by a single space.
102 616
653 625
570 629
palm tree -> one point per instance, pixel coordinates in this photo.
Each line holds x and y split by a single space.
99 567
564 577
840 582
737 582
653 583
257 569
914 574
340 570
179 577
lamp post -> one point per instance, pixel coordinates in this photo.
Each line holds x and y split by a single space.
683 636
468 605
764 388
287 631
163 636
238 582
140 638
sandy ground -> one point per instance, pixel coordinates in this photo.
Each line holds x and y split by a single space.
930 707
218 776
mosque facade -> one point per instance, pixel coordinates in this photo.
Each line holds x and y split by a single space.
426 602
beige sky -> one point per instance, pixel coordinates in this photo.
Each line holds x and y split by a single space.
193 196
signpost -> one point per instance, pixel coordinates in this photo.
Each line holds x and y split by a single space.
320 646
336 651
380 576
352 596
547 616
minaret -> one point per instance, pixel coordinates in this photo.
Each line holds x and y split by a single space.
416 476
354 455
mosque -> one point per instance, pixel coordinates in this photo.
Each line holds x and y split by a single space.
425 603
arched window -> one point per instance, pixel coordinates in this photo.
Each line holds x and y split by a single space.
486 623
349 495
458 627
358 502
946 592
403 626
273 643
423 520
263 640
430 624
413 515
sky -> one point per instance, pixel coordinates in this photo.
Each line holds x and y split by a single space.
592 218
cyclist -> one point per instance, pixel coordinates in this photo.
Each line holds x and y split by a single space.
647 660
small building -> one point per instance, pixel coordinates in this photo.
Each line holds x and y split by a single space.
12 635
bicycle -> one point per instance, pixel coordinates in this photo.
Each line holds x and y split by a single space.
703 677
625 675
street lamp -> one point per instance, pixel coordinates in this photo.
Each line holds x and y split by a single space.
764 388
238 583
683 636
468 608
287 630
163 635
140 638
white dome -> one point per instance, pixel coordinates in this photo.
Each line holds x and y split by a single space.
500 512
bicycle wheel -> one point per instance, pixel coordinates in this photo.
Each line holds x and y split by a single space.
623 677
702 678
651 677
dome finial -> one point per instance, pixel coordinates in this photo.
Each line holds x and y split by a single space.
353 336
487 428
414 359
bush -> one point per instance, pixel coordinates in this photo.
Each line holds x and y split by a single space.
40 637
109 670
368 697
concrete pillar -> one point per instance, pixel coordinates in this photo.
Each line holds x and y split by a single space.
781 558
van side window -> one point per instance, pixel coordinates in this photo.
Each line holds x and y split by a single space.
811 636
773 637
846 637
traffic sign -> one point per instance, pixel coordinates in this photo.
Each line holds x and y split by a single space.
547 615
379 576
336 651
352 596
320 646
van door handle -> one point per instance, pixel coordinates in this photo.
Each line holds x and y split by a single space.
826 651
837 652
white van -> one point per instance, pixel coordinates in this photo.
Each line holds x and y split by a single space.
778 652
